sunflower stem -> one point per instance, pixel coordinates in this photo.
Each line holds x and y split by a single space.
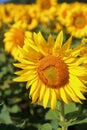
62 116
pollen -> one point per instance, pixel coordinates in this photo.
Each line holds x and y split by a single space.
53 72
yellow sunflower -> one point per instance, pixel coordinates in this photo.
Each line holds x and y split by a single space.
7 13
76 21
28 15
46 4
52 70
61 12
14 38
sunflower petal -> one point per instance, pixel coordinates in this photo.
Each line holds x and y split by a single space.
33 87
58 42
63 95
42 91
46 97
35 93
67 44
53 99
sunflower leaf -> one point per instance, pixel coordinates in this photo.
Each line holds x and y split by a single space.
51 115
46 126
5 116
71 107
75 117
82 118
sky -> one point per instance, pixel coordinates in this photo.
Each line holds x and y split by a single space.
3 1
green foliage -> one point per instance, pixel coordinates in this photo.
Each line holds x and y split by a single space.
46 126
52 115
5 116
8 127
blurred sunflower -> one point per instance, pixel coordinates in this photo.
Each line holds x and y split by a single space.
46 4
6 12
76 21
61 12
27 16
14 38
52 70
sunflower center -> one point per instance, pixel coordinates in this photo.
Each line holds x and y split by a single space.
53 72
45 4
64 13
79 21
19 37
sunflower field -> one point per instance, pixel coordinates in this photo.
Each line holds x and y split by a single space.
43 65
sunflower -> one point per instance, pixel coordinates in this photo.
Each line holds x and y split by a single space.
27 16
52 70
76 20
7 13
14 38
62 10
46 4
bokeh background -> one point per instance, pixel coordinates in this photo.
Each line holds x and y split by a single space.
31 1
16 110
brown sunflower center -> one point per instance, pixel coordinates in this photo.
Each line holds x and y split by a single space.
19 37
45 4
79 21
53 72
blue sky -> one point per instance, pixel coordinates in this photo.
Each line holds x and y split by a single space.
3 1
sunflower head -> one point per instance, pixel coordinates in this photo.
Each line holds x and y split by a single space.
46 4
52 70
76 20
14 38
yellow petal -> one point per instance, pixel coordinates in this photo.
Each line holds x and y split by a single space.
46 97
42 91
29 83
66 45
24 66
78 71
63 95
71 93
57 94
70 60
40 42
53 99
8 46
75 86
19 65
24 61
31 44
23 72
58 42
25 78
35 93
33 87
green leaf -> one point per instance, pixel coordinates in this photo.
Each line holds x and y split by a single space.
54 124
71 107
80 120
46 126
5 116
59 129
75 118
51 115
14 109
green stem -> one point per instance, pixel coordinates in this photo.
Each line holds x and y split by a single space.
62 116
